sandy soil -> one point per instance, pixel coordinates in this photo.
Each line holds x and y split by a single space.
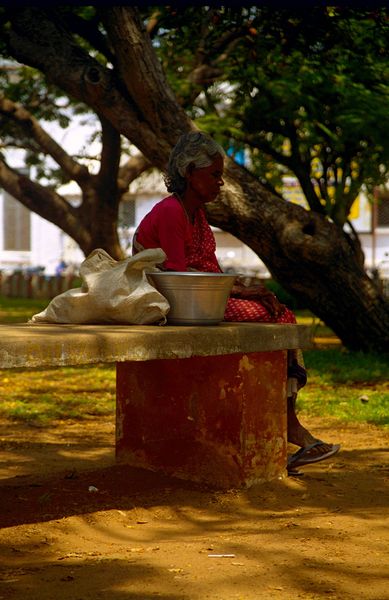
140 535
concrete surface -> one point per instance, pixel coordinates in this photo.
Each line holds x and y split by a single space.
31 345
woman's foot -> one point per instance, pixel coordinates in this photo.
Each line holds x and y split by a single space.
311 454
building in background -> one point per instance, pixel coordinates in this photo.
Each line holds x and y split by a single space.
28 242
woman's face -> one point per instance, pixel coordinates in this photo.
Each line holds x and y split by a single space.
206 182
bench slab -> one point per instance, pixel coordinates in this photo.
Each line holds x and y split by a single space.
31 345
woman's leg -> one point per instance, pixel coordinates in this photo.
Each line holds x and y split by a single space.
297 433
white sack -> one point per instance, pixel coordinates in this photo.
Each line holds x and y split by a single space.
112 292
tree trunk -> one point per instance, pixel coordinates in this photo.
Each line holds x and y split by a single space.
309 256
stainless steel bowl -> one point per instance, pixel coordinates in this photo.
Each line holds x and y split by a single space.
195 298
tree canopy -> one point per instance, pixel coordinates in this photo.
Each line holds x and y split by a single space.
306 96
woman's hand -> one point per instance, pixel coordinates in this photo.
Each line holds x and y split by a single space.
262 294
248 292
272 304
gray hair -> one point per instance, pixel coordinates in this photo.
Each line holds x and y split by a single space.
194 148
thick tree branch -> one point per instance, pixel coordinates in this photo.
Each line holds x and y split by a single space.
67 65
89 30
209 56
301 167
43 201
224 46
157 99
32 128
109 163
135 166
153 23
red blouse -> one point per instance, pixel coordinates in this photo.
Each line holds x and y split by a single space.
186 245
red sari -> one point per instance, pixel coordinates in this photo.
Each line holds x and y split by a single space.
192 246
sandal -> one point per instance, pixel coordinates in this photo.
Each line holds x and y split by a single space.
301 457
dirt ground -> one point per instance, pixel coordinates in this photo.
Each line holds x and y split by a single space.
137 535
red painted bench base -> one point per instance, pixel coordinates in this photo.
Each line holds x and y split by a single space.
218 420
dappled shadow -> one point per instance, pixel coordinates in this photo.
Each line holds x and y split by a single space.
29 499
46 473
141 535
28 452
128 556
128 578
111 578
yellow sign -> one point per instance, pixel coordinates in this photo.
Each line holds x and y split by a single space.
355 209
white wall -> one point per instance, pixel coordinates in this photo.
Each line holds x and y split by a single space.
376 248
46 244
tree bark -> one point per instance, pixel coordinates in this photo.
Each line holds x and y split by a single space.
309 255
306 253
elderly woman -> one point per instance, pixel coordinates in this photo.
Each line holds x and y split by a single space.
178 225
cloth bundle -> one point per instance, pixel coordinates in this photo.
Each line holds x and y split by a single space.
111 292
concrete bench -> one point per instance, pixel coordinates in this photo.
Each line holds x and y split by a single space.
206 404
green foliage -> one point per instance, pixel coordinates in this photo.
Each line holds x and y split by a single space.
308 102
306 95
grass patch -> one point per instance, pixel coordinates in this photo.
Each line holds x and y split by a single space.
350 386
40 396
347 385
19 310
337 365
